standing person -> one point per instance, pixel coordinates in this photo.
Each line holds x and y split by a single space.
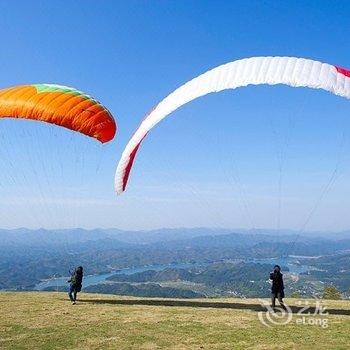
75 281
277 288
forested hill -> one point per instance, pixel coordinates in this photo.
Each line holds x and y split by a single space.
30 256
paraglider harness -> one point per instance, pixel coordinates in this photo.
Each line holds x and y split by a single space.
277 282
76 280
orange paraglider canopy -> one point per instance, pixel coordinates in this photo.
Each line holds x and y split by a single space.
58 105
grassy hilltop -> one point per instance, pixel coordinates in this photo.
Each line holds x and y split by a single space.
49 321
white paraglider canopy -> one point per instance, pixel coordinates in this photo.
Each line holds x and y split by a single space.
292 71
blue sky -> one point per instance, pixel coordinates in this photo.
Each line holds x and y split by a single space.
255 157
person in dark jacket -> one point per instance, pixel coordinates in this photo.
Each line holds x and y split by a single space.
75 281
277 288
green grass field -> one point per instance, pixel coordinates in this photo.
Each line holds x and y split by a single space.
49 321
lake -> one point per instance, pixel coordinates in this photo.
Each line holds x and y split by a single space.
96 279
292 263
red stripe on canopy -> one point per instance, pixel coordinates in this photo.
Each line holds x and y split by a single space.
343 71
130 163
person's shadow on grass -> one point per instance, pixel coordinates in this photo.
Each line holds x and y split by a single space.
206 304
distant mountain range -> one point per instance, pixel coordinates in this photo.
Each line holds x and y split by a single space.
40 237
29 256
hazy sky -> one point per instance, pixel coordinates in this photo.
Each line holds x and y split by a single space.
255 157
